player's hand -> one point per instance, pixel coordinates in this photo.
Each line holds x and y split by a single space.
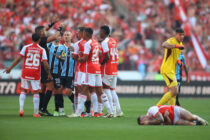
181 47
55 18
166 113
49 77
7 70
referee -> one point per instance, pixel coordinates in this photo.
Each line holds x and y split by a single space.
46 84
179 67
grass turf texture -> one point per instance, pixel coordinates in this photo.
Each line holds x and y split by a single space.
14 128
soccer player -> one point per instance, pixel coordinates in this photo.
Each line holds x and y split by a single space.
81 68
56 51
170 115
33 54
68 68
92 79
45 83
173 47
109 69
179 67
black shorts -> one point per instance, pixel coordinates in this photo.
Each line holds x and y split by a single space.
44 77
67 82
56 80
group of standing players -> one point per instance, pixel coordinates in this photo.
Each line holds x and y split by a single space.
87 66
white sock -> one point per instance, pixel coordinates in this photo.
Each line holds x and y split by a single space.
61 109
22 98
116 100
75 101
94 100
114 108
36 103
106 103
100 108
109 95
81 102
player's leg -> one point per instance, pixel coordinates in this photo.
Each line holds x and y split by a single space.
188 116
35 84
106 88
102 96
22 97
115 97
87 106
41 95
177 96
94 98
173 90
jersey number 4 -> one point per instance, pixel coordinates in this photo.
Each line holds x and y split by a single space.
113 53
32 59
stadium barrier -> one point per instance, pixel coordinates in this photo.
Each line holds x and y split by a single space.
128 88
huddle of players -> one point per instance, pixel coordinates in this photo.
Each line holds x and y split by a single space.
91 65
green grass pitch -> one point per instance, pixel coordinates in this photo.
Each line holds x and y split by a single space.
28 128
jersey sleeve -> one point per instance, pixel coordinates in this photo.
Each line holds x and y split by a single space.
105 46
87 48
76 49
23 51
153 111
44 55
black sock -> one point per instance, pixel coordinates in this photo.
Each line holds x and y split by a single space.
56 102
47 99
71 98
87 105
61 101
41 96
177 100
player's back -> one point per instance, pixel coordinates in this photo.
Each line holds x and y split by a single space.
170 57
83 66
164 108
33 54
110 68
93 47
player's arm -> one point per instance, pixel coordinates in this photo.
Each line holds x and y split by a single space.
106 58
155 121
167 120
186 70
54 20
58 33
15 62
171 46
84 58
47 69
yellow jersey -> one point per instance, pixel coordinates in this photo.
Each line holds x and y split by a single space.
170 57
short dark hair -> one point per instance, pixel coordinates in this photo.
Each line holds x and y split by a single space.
106 29
81 29
35 37
179 30
89 31
139 120
38 29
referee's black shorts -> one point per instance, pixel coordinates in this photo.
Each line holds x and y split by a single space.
67 82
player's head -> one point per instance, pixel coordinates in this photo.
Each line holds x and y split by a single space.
88 32
142 119
40 30
104 31
67 36
179 34
35 37
80 32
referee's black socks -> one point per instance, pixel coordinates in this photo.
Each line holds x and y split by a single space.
41 96
47 99
71 98
87 106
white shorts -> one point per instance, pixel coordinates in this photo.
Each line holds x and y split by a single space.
94 80
76 78
110 81
82 78
177 110
35 84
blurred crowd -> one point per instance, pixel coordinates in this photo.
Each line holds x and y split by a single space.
140 26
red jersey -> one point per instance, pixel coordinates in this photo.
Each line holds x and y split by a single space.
83 66
92 50
33 55
76 52
109 45
154 110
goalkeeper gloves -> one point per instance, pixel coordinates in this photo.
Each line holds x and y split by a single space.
181 47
